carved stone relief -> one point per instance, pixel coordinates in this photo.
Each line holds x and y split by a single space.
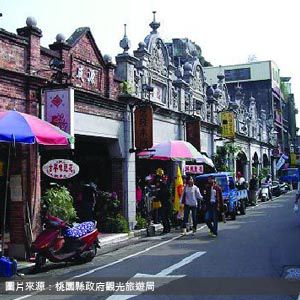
157 60
197 83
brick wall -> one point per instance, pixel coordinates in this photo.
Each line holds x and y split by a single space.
22 54
12 55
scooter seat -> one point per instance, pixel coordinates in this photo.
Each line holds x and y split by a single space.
80 229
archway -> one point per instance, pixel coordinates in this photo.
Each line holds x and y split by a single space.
255 163
266 162
241 163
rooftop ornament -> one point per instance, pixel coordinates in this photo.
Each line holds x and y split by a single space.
31 22
60 38
125 43
154 25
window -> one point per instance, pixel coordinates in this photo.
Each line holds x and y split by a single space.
237 74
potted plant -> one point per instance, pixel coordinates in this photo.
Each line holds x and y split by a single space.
58 202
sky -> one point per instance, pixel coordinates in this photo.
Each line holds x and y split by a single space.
228 31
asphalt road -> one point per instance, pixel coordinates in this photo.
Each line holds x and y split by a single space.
246 261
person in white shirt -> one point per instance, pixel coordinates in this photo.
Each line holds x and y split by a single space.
190 196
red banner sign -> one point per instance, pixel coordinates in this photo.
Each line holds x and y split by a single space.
194 169
60 169
143 117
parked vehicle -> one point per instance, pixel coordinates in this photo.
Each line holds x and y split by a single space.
290 176
226 181
264 192
61 242
279 188
276 190
284 187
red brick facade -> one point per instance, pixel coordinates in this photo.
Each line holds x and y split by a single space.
24 71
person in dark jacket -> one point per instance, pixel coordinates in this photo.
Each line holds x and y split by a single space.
213 202
253 187
89 194
163 195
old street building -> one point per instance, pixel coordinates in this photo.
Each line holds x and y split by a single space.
169 76
98 119
181 93
270 116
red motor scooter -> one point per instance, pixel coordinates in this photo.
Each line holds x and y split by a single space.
61 242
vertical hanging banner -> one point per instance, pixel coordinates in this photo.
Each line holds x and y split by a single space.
193 133
281 161
143 121
59 109
228 124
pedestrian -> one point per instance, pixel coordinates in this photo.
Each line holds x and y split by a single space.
213 201
268 181
139 197
163 195
241 181
89 195
191 197
296 206
148 195
253 188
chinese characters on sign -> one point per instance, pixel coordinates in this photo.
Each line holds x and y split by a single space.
194 169
143 116
66 287
79 74
89 76
228 124
60 169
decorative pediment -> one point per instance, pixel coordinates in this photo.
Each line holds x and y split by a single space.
198 80
158 60
87 62
84 46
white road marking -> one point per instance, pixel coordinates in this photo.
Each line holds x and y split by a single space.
164 276
180 264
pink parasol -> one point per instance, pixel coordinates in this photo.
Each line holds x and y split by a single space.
172 150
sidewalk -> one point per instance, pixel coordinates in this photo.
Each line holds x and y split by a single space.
108 242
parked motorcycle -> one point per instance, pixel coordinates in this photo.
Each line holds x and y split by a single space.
62 242
276 190
264 192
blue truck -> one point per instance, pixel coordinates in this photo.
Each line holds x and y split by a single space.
234 200
290 176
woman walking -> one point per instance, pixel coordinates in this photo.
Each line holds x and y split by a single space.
190 197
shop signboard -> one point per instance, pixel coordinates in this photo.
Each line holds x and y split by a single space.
193 133
59 109
60 169
228 124
143 117
194 169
